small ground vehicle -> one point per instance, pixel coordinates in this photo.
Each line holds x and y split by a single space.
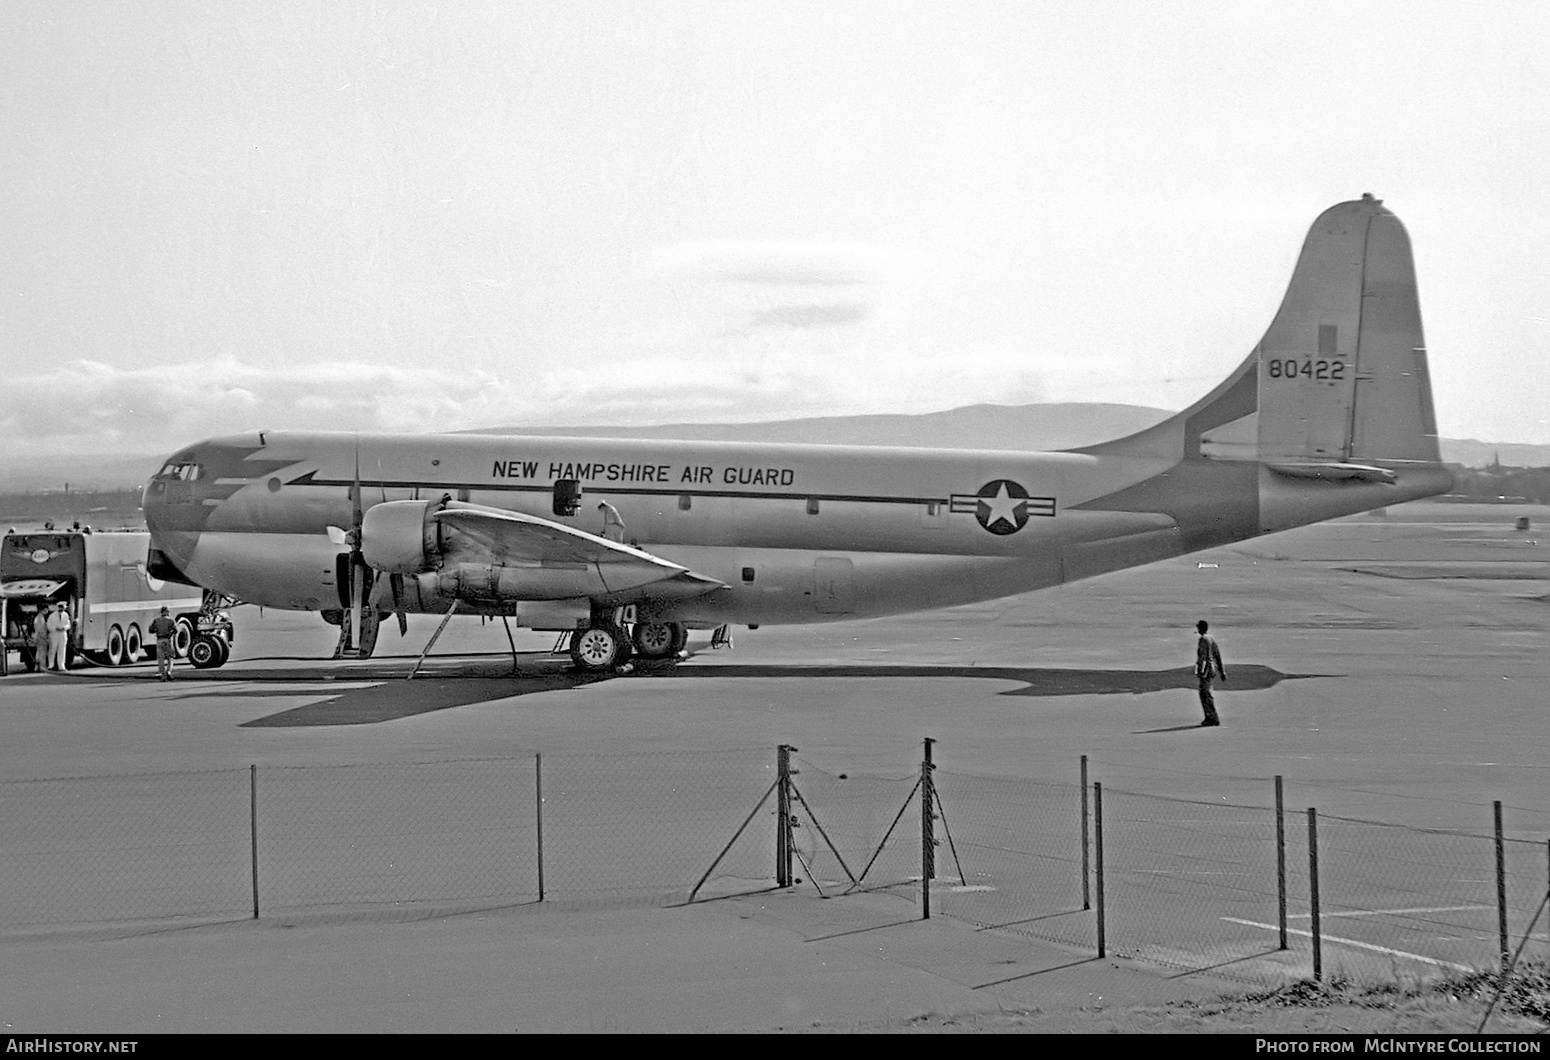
102 579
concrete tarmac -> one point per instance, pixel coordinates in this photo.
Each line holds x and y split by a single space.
1390 667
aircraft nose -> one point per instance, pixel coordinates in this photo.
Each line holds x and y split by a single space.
173 513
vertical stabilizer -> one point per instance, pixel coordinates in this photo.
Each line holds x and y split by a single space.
1331 413
1340 377
1342 368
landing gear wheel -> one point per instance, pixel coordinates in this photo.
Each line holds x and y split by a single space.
115 652
134 646
597 649
659 640
224 646
182 638
207 652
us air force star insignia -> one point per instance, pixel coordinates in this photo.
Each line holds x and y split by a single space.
1003 506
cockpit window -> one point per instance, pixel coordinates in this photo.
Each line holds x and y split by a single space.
181 472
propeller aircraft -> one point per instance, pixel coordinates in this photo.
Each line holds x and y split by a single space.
1330 414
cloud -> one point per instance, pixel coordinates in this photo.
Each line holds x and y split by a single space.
811 316
785 263
787 370
88 406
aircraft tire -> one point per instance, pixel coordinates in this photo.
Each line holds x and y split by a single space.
182 637
205 653
134 645
658 640
597 649
115 649
224 646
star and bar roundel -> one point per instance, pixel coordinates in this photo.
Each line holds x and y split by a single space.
1002 506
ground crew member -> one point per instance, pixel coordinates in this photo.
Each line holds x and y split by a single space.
613 522
59 626
164 628
1208 666
40 640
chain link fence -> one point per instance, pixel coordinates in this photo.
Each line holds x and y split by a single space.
1191 884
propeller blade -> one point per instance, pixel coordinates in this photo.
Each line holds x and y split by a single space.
355 495
396 583
357 561
357 592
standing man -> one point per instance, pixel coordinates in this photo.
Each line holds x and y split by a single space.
613 522
1208 666
59 626
164 628
40 639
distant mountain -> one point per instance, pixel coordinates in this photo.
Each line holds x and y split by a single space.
1025 427
1028 427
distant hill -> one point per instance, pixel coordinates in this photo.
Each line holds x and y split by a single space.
1026 427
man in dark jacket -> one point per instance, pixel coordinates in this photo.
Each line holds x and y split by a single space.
1208 666
163 628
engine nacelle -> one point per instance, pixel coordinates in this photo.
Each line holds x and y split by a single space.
401 537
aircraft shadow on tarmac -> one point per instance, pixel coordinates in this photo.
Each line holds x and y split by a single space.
393 698
388 697
1036 681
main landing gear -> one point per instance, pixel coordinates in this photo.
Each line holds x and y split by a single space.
604 646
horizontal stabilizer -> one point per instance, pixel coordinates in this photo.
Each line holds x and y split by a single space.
1334 472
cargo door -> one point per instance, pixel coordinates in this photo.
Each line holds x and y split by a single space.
834 585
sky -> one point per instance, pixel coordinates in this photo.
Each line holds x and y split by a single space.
440 216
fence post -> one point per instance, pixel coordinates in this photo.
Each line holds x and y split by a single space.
927 833
1501 886
783 816
1086 869
1098 858
1313 892
1281 859
253 830
538 798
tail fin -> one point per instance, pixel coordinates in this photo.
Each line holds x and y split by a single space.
1339 380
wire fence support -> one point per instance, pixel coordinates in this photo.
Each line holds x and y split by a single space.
1098 860
538 816
783 837
1313 893
1501 883
896 819
1086 868
253 831
733 841
1281 861
811 816
927 832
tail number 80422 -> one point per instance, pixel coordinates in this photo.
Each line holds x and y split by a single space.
1292 369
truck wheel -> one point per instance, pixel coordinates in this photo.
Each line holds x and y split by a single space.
134 645
205 653
182 637
115 652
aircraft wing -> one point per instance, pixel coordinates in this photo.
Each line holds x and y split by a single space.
518 539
